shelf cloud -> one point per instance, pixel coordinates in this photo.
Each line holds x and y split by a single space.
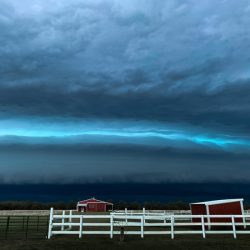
143 91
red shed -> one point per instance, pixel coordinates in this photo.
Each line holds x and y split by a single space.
93 205
218 207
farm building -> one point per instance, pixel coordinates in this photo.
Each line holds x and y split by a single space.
218 207
93 205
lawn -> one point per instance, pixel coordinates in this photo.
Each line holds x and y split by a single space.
29 232
130 243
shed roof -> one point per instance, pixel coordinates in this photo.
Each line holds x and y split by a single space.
215 202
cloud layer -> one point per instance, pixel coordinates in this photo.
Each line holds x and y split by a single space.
114 68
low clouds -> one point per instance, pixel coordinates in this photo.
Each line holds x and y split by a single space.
177 63
127 163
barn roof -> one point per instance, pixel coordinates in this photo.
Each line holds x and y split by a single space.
218 201
94 200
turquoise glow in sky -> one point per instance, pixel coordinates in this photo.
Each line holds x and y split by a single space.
133 131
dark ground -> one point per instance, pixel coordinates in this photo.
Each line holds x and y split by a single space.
93 243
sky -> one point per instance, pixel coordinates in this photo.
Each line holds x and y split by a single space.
124 91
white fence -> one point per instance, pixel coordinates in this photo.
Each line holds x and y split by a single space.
145 212
151 212
147 224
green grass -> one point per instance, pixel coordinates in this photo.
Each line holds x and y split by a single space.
130 243
25 233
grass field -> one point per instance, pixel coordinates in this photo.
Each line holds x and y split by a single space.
29 232
130 243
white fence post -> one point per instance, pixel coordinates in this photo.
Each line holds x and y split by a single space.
70 219
142 226
203 227
172 226
80 227
50 222
111 225
243 213
63 215
144 213
233 225
244 221
126 212
209 222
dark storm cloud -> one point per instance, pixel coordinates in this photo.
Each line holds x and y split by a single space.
122 60
125 163
184 63
69 43
224 108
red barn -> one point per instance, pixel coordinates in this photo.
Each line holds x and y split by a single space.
218 207
93 205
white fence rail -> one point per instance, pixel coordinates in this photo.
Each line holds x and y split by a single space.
145 212
157 212
147 224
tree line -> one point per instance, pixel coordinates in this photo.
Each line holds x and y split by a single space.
118 205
